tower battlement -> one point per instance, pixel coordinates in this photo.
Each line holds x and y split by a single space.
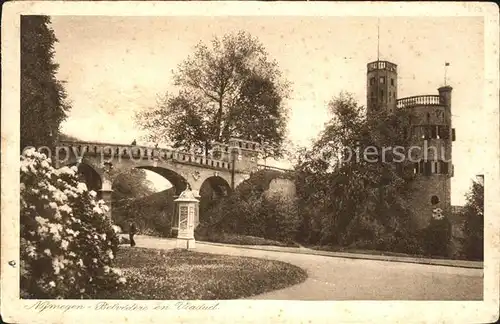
382 65
243 154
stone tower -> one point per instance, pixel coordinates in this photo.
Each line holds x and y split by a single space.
245 154
382 86
431 141
432 135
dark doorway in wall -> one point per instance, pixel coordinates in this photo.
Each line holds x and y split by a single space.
434 200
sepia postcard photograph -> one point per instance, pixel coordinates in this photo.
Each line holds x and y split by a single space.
248 162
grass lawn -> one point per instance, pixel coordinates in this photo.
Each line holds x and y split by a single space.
243 240
180 274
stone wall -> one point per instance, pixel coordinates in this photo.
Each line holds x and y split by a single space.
283 187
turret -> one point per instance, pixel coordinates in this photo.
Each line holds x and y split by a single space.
382 86
445 96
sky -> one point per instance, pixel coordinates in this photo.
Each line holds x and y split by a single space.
116 66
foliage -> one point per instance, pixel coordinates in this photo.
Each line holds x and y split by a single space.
474 222
259 213
43 98
437 237
282 218
152 214
170 275
238 239
67 242
66 137
228 89
371 193
133 198
131 184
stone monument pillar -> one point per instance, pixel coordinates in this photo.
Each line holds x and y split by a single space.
105 194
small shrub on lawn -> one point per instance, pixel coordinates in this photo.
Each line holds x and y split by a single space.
410 243
67 242
227 238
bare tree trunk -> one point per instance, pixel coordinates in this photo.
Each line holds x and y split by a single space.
219 121
207 148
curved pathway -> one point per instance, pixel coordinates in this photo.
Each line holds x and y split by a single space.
336 278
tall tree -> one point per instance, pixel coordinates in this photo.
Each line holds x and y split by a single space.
347 197
228 89
474 222
43 98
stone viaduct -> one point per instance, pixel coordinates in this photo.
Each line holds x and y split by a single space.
101 163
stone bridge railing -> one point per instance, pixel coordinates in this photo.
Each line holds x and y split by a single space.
137 152
426 100
267 167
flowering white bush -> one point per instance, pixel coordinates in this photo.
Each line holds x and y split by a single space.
67 241
437 214
117 229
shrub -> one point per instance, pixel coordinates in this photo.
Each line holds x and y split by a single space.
267 216
117 229
148 219
239 239
437 237
284 215
67 242
473 213
409 243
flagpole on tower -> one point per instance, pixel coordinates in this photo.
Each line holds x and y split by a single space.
378 39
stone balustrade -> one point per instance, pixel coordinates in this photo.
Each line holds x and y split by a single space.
267 167
235 143
138 152
425 100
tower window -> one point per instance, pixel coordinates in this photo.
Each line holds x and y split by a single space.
443 132
372 81
382 79
434 200
392 81
444 167
427 168
434 132
382 94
